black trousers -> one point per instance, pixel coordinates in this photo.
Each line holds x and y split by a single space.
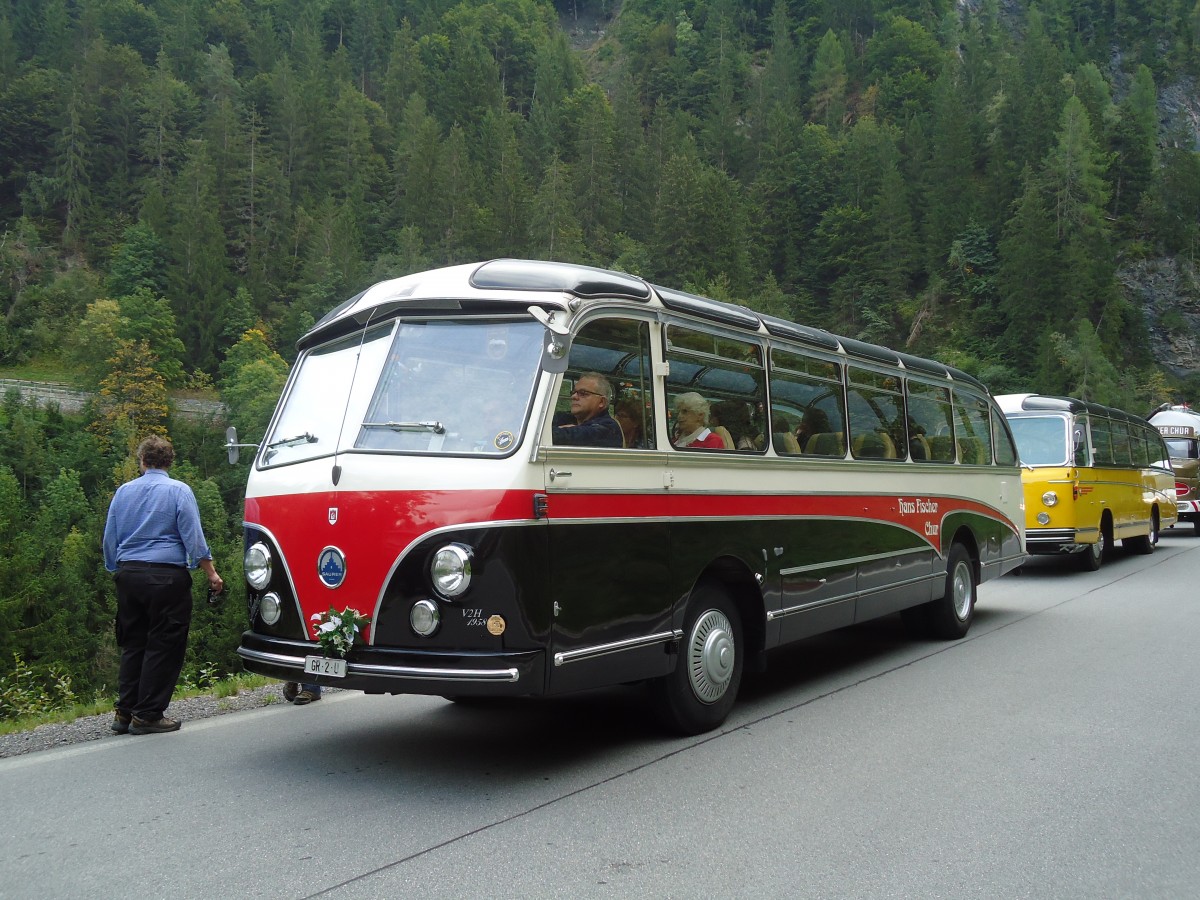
154 613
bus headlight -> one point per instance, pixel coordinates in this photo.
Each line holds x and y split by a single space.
257 565
424 617
1050 498
270 608
450 570
1043 518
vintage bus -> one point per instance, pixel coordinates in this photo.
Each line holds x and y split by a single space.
1092 474
1180 428
414 471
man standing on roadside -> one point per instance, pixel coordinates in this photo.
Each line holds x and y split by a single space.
151 539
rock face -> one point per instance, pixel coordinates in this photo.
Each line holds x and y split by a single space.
1168 292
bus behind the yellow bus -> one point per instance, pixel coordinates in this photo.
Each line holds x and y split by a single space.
1180 428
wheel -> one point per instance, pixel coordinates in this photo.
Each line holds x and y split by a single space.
950 617
1196 526
1092 558
698 695
1145 543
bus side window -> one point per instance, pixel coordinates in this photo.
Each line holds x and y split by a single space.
618 350
972 429
808 390
877 420
930 420
723 379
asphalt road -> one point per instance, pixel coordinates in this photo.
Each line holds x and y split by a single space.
1052 753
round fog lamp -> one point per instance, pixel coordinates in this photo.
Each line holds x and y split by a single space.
1050 498
270 609
1043 519
424 617
257 565
450 570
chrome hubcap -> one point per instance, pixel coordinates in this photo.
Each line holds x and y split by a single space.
710 656
962 590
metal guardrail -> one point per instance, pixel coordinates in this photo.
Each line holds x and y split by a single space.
73 400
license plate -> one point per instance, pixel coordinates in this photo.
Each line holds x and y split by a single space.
323 665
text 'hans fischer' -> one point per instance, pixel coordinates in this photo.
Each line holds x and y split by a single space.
921 507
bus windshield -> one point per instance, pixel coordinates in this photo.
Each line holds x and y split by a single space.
437 386
1041 440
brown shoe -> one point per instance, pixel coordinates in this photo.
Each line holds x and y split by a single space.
160 725
290 690
120 722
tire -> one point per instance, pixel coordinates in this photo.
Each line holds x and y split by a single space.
1196 526
698 695
1144 544
950 617
1093 557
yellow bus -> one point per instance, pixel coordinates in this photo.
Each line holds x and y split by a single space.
1092 475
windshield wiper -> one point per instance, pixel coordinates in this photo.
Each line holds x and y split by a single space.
435 427
305 438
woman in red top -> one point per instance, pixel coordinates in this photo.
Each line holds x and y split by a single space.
691 424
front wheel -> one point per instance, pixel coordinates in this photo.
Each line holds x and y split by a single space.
1144 543
1093 556
698 695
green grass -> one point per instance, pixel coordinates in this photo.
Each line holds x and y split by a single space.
47 368
226 687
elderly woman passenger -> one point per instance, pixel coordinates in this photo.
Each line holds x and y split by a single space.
691 423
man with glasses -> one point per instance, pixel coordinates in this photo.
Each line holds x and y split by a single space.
589 424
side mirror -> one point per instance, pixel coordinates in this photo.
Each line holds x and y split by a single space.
232 447
558 341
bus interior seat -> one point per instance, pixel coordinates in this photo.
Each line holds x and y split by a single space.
874 445
919 448
785 442
723 433
826 443
970 451
941 447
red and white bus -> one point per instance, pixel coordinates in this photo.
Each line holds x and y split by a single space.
411 473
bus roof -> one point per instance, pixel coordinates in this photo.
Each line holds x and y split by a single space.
1014 404
503 285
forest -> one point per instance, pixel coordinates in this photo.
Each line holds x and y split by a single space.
186 186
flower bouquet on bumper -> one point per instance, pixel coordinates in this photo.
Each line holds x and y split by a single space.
335 630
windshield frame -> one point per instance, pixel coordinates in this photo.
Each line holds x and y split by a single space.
358 369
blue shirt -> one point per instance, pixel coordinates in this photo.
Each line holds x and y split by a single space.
154 519
599 431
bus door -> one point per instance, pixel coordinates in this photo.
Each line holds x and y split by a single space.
608 565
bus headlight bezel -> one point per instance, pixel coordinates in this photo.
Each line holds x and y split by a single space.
1050 498
270 608
256 564
424 618
450 570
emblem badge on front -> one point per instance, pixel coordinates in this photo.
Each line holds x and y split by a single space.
333 515
331 567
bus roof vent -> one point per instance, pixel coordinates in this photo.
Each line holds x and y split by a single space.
539 275
727 313
870 351
812 336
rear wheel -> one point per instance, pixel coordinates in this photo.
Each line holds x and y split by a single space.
699 694
1092 558
1145 543
950 617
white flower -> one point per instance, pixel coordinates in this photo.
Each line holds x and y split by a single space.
327 627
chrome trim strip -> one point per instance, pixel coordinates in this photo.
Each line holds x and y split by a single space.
570 656
406 672
774 614
851 561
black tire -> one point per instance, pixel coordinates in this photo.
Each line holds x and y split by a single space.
1093 557
1144 543
698 695
950 617
1196 526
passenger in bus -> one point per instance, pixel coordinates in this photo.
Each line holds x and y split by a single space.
588 424
734 417
628 414
815 421
691 424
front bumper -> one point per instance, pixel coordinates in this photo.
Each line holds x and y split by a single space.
378 670
1042 541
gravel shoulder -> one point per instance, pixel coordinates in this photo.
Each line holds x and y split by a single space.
93 728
